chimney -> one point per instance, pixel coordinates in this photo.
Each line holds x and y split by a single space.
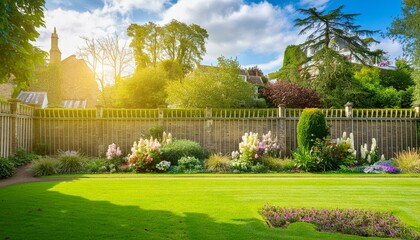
55 54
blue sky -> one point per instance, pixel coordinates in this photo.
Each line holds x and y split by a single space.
256 32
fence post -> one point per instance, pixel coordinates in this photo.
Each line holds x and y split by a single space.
349 109
209 130
282 130
100 130
14 110
417 109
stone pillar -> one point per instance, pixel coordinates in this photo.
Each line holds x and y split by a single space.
14 110
349 109
209 130
99 130
282 111
417 109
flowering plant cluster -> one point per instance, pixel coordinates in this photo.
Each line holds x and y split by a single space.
271 146
145 155
251 150
381 167
113 152
369 155
348 221
163 166
343 151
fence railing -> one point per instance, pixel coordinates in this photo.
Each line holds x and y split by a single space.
90 131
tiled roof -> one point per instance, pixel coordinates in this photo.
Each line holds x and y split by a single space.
39 99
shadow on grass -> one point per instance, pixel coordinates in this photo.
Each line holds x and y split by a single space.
32 211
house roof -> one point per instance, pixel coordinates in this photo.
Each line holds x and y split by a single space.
33 98
71 103
255 80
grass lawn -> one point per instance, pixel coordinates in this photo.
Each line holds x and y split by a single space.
197 207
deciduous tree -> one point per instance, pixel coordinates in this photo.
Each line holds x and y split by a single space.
18 23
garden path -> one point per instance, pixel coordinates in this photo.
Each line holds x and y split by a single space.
22 175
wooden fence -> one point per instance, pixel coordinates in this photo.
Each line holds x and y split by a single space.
90 131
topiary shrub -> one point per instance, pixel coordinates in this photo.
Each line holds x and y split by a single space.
181 148
44 167
7 168
311 126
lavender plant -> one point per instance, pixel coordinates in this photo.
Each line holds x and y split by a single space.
349 221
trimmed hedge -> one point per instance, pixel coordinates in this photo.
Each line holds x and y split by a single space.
311 125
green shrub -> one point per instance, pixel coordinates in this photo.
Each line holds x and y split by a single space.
259 168
189 165
44 167
311 125
95 166
71 163
22 157
278 164
156 132
181 148
408 161
303 159
7 168
217 163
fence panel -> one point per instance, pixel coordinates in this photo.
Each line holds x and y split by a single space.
5 129
90 131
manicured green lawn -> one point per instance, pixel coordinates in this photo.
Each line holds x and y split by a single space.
197 207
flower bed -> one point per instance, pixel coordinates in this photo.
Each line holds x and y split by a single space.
349 221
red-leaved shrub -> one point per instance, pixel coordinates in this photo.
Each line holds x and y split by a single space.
290 94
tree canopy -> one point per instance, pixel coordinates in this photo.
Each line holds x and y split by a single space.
332 28
209 86
18 23
175 41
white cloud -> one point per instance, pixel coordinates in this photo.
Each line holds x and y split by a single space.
71 25
393 48
126 6
235 26
269 66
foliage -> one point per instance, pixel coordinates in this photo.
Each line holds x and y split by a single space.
400 79
294 56
348 221
406 28
290 94
311 125
189 165
145 155
7 168
218 163
406 97
145 89
175 41
332 77
408 161
96 166
303 159
216 87
278 164
44 167
114 157
156 132
259 168
70 162
181 148
19 21
327 29
22 157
